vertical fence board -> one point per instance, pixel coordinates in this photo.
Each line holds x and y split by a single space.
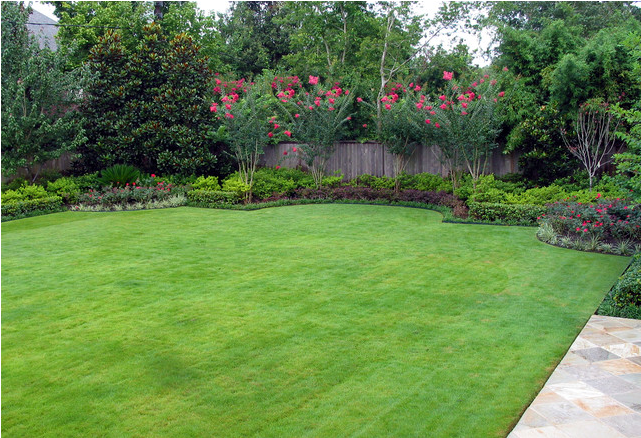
353 159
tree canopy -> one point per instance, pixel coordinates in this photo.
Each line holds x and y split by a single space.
555 55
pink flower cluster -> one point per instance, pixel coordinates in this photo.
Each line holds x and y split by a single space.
613 220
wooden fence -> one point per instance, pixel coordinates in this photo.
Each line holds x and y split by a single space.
58 164
353 159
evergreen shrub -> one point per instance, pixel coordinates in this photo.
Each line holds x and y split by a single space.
506 213
212 198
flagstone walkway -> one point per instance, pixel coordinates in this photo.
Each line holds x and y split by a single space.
596 389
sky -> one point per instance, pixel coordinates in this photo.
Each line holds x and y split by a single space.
424 7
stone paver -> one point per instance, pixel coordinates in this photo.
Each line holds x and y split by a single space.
596 389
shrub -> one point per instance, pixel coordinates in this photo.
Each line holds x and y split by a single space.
15 184
611 225
270 181
24 193
212 198
89 181
538 196
492 195
507 213
614 220
66 188
119 175
627 291
425 181
236 186
31 207
374 182
209 183
128 195
333 181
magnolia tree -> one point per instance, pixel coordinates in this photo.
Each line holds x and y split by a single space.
316 116
246 112
593 140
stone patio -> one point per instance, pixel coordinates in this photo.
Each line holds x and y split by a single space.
596 389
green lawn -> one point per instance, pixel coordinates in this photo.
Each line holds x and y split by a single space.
305 321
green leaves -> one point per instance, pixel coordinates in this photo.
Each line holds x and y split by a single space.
149 107
39 121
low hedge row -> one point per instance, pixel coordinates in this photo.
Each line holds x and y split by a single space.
350 193
624 300
31 207
513 214
211 198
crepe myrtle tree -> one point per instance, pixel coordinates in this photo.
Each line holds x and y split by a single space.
316 116
400 124
593 140
247 114
467 121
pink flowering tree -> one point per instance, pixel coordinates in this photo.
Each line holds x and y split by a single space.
316 116
468 123
402 125
247 114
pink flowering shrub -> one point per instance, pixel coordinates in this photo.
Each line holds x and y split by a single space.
467 121
129 194
609 221
462 121
316 115
247 113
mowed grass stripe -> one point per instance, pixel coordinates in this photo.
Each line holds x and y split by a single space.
319 320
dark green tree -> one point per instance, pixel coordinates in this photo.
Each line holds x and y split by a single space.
560 54
150 108
39 117
253 40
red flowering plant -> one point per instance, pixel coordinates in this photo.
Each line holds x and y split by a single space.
316 115
130 193
602 221
467 118
403 124
246 111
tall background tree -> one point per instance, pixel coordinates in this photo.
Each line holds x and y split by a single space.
149 108
84 22
253 41
39 100
560 54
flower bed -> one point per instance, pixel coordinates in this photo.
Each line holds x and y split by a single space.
613 227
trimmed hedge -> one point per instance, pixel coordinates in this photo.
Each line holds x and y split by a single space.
351 193
516 214
31 207
211 198
627 291
624 299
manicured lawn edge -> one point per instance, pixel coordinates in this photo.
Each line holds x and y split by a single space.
176 304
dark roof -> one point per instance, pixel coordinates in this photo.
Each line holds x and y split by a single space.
44 31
